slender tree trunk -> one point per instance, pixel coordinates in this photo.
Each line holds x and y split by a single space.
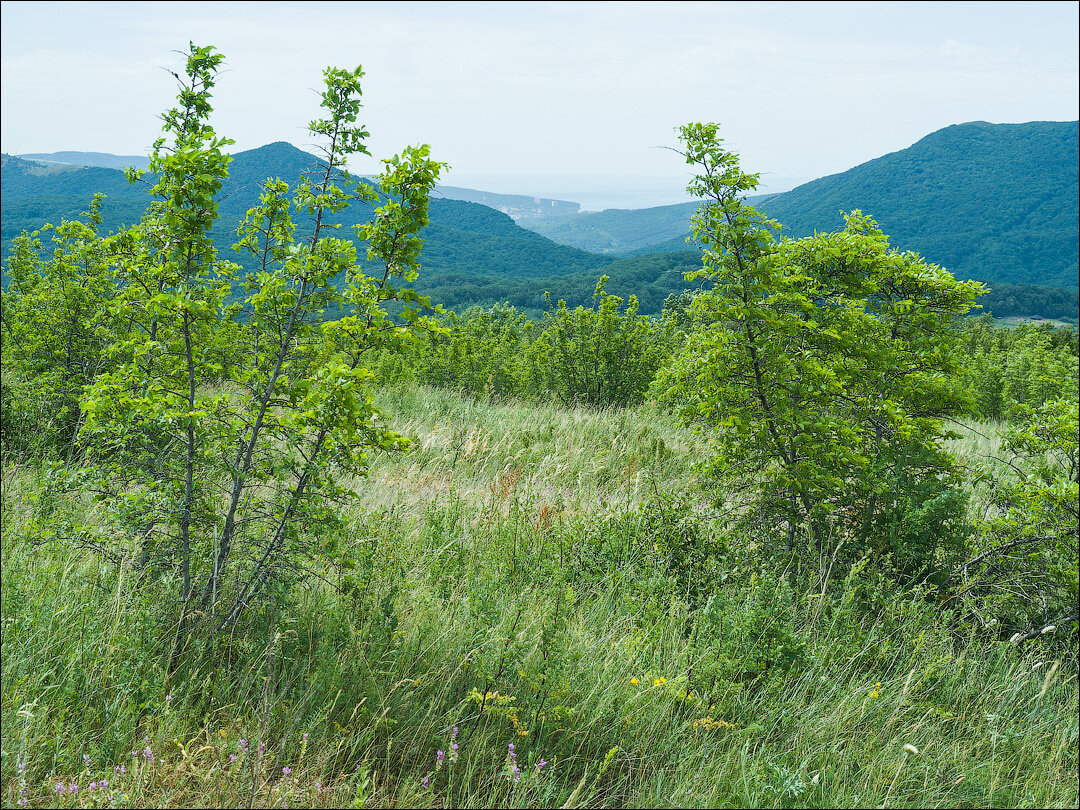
189 495
245 453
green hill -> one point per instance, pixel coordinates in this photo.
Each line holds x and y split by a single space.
994 202
615 230
956 197
462 237
105 159
473 254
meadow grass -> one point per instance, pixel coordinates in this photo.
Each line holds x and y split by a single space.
503 586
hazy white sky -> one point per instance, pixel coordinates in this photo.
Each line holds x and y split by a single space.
543 97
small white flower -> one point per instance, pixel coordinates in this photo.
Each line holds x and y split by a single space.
1050 628
1015 638
911 749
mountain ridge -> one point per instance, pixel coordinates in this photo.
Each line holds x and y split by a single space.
473 252
993 202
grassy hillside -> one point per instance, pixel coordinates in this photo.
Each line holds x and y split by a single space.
512 635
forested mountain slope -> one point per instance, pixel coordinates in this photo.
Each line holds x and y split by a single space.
994 202
473 254
462 237
513 204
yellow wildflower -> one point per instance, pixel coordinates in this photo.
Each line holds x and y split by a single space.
633 681
710 723
519 727
659 681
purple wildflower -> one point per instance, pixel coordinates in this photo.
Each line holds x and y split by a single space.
426 783
104 784
148 754
286 770
540 765
58 787
511 764
439 756
92 786
73 788
232 757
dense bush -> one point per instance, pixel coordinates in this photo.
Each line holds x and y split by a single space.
1011 370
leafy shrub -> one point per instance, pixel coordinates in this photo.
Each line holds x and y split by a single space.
745 635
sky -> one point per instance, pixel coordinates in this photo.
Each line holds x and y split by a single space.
576 101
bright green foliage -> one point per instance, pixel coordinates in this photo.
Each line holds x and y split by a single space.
1025 571
313 412
152 424
824 364
1012 370
222 433
598 355
56 324
745 635
482 351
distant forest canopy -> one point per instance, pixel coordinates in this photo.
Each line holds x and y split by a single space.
992 202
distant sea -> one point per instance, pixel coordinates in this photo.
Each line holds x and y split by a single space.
594 192
598 192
